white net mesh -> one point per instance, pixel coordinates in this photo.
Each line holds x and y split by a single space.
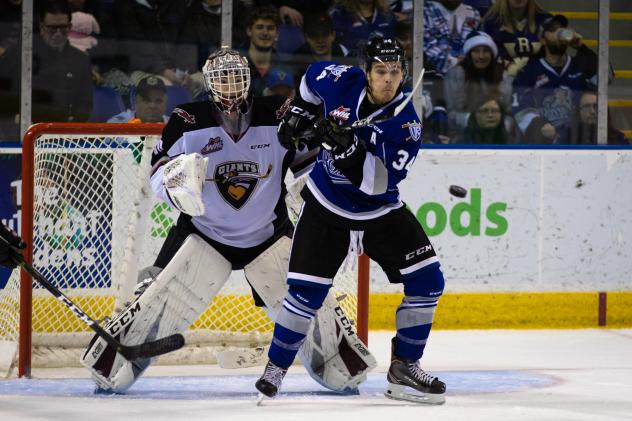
95 225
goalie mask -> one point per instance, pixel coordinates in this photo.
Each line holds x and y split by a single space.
227 82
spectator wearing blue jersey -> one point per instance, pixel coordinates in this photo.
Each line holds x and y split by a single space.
355 21
352 203
476 76
547 88
516 26
447 24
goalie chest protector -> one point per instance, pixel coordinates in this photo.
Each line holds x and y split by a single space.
244 191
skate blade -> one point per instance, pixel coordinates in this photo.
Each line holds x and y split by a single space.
260 398
404 393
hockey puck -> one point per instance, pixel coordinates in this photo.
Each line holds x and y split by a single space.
457 191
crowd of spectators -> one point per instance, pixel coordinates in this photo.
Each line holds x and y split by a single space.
499 72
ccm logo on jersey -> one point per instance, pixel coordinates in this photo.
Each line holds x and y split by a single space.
340 114
303 113
262 146
419 252
184 115
214 144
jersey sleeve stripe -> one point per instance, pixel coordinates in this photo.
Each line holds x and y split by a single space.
309 278
307 94
419 265
374 176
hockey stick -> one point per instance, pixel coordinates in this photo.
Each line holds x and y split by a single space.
130 352
358 124
369 120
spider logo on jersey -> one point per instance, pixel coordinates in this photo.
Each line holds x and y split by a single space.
184 115
236 180
341 113
283 109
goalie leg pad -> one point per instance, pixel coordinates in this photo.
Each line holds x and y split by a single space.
170 304
332 352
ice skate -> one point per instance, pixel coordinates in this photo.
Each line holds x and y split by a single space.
270 383
408 382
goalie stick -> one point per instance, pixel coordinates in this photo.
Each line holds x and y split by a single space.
130 352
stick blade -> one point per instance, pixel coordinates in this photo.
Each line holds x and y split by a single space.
153 348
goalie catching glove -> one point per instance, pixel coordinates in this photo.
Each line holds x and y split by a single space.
297 123
184 178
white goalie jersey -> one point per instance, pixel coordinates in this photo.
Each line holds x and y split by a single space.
244 190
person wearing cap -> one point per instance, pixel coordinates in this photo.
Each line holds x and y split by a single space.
447 24
150 103
547 88
320 43
476 76
280 82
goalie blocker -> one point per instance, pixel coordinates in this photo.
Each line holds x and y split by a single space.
332 353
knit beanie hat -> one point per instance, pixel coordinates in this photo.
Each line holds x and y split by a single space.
478 38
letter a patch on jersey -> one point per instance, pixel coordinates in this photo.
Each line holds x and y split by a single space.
236 181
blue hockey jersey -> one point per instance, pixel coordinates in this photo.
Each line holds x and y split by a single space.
540 91
519 43
392 145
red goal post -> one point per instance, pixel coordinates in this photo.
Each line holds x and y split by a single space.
99 171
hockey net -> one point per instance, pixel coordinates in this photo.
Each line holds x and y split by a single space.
91 222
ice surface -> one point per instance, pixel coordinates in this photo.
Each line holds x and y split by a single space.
491 375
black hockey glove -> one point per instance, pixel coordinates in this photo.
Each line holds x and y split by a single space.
343 144
297 123
10 243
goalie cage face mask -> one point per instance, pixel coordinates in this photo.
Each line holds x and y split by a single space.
227 79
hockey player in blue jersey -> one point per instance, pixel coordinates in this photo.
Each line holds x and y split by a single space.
352 203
